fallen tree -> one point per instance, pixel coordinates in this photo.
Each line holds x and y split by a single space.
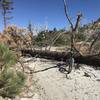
92 60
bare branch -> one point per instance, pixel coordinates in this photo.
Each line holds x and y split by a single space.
44 69
67 15
21 65
94 41
77 22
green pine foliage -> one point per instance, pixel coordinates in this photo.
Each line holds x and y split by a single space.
11 81
7 58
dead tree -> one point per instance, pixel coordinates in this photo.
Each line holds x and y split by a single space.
73 31
92 60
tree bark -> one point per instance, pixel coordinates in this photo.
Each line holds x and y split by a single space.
92 60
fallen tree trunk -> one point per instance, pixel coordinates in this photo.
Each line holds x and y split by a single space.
92 60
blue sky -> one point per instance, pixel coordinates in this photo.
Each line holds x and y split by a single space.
52 11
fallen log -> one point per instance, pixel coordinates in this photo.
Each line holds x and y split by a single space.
92 60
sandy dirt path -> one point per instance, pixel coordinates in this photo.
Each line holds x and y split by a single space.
55 86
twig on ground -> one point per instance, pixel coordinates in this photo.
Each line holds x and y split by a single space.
45 69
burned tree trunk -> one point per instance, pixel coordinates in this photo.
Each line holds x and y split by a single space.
92 60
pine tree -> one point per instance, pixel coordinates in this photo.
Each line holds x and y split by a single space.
6 7
11 81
